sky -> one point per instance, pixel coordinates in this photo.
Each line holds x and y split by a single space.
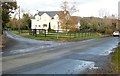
87 8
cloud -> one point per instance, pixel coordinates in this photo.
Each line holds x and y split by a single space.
92 8
86 7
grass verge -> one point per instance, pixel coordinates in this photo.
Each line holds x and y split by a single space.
61 37
116 59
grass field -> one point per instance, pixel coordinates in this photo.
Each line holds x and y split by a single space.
60 37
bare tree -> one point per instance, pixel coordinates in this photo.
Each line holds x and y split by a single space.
68 9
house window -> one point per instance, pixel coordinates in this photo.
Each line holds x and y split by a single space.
52 17
39 25
44 25
35 25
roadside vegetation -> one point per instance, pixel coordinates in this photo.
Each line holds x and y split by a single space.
1 42
116 59
7 8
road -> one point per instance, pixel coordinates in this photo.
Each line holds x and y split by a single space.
28 56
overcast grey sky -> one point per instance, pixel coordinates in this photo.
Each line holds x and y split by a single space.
86 8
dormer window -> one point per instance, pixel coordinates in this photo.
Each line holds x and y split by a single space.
37 17
56 17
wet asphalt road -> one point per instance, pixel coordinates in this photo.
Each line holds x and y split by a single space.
27 56
19 45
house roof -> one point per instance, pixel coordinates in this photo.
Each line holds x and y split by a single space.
50 13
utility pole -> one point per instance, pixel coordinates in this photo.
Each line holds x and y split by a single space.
58 30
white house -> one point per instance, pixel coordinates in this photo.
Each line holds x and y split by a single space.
46 19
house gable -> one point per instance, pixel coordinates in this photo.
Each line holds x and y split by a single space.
45 17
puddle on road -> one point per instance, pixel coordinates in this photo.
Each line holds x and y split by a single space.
65 66
103 49
99 60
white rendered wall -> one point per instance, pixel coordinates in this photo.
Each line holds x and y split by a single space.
39 21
